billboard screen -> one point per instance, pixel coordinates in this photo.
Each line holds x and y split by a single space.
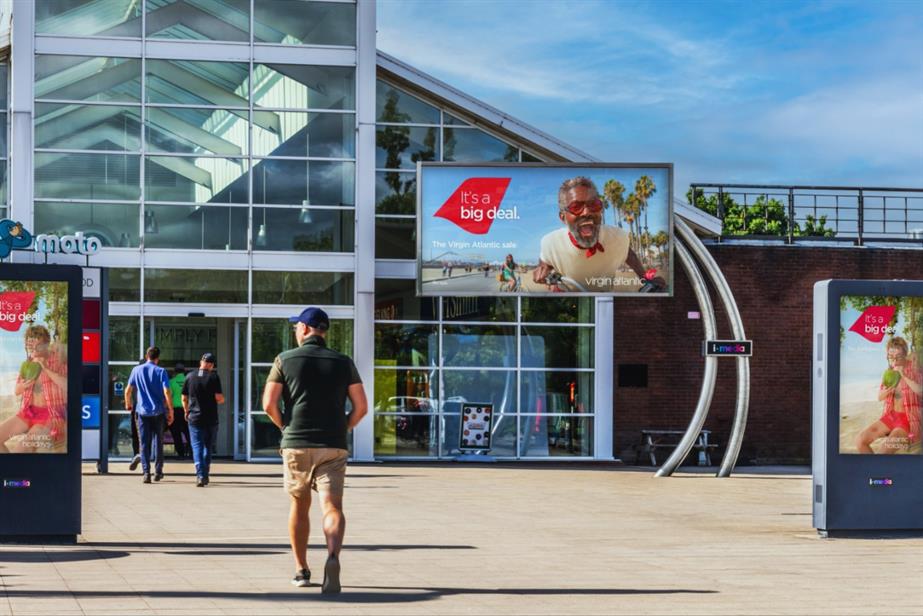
881 374
33 366
538 229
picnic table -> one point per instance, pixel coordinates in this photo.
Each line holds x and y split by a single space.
653 439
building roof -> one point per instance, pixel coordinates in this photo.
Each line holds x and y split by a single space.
483 115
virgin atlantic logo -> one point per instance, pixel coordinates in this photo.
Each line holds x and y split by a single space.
475 205
874 323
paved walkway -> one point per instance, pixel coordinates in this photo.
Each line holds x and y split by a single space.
472 539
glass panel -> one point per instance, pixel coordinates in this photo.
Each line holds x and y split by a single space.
88 18
303 230
189 130
87 127
406 435
4 86
405 391
299 288
396 300
193 82
209 227
304 182
395 193
177 285
395 238
502 438
558 310
4 150
406 345
82 78
87 176
124 285
528 158
392 105
319 135
120 435
556 436
479 345
479 308
301 86
3 183
264 437
556 392
258 376
451 120
195 180
557 347
304 23
469 145
201 20
118 379
272 336
481 387
124 338
112 224
400 147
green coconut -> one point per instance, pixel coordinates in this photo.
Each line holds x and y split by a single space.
29 370
890 378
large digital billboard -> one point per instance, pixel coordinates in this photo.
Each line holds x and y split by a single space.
881 374
33 366
539 229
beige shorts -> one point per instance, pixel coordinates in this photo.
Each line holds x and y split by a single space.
318 469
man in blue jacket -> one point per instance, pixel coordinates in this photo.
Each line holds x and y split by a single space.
152 385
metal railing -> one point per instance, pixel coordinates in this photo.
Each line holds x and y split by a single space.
857 213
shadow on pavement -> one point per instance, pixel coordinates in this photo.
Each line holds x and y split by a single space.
58 556
225 548
351 594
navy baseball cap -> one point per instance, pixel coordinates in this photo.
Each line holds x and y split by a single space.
209 357
312 317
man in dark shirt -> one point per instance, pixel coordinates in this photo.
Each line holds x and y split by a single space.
201 397
314 383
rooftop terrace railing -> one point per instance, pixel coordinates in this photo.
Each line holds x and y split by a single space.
860 214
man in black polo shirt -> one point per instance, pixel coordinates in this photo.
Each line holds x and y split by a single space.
314 382
201 395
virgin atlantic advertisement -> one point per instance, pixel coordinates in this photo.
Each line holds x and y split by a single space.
881 375
544 229
33 366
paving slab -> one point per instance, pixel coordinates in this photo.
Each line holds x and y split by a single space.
464 539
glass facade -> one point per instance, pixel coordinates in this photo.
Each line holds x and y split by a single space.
214 152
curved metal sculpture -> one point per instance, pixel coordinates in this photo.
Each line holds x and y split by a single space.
737 327
711 366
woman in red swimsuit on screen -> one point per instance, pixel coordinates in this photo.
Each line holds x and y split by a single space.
900 421
42 383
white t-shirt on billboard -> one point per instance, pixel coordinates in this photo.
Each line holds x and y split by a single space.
595 273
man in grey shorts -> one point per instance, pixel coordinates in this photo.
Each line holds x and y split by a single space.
314 383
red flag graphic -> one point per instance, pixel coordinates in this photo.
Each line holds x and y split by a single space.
13 308
474 204
874 322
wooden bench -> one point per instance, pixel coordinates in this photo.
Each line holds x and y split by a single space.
652 440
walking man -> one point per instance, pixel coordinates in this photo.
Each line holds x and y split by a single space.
152 384
200 397
314 382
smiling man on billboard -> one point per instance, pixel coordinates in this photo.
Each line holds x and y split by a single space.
586 251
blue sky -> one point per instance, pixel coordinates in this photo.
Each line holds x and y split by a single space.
746 92
534 194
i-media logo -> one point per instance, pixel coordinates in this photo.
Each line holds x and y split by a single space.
475 205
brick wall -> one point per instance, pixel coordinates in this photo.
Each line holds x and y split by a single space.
773 286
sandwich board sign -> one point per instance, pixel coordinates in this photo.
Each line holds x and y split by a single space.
475 427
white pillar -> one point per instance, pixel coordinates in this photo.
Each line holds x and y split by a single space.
22 62
604 383
364 436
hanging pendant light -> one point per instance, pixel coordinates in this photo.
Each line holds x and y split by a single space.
150 222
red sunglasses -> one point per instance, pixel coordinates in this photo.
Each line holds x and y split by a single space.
593 206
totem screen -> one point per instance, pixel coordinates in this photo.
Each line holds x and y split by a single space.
881 374
541 229
33 366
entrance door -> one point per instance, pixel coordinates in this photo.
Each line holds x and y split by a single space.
182 342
